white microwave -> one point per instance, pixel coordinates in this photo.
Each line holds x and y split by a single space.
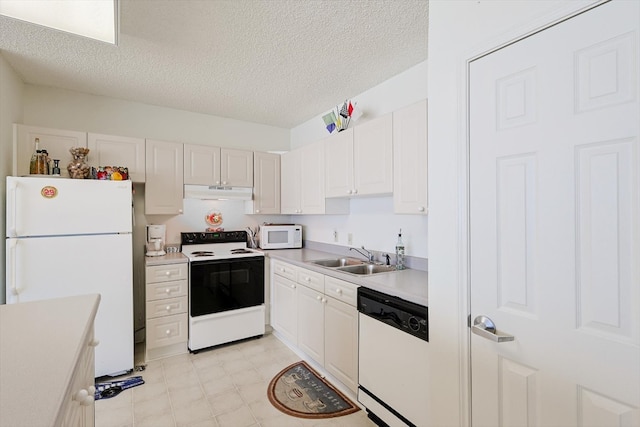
280 236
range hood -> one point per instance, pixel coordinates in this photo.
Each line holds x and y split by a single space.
217 192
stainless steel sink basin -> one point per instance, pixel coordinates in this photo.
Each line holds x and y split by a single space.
338 262
366 269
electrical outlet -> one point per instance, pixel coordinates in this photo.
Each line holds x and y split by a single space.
350 239
335 235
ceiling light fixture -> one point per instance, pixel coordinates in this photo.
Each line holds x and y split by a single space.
96 19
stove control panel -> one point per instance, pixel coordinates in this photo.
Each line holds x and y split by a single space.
202 237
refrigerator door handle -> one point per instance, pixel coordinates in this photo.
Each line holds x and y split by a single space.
11 266
11 199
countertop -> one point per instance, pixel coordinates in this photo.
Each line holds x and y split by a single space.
409 284
170 258
40 343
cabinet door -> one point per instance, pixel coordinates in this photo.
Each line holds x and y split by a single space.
373 157
109 150
57 142
201 165
341 342
311 323
338 150
164 185
284 310
410 159
236 167
312 178
290 183
266 187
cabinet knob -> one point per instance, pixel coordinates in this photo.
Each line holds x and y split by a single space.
319 298
257 210
81 395
421 209
168 332
349 191
224 182
179 210
339 291
94 342
217 182
87 401
167 273
168 308
355 191
324 300
307 279
293 286
168 291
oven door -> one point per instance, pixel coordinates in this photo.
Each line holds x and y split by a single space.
227 284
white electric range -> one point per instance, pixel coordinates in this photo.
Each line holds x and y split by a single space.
226 288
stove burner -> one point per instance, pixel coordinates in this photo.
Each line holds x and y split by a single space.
202 253
240 251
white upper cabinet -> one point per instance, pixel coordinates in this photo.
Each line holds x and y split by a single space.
359 162
236 167
373 157
109 150
410 159
312 178
290 201
207 165
303 183
201 165
339 164
164 171
266 187
57 142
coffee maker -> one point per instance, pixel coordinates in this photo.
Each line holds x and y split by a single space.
155 240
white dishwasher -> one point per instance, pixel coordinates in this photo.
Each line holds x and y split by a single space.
393 358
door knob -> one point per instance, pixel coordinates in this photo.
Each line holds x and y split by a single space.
485 327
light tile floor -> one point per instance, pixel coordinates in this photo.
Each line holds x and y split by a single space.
221 387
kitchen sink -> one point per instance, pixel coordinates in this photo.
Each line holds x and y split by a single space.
367 269
337 262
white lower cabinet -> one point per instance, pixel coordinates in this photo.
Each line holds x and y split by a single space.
311 323
79 408
166 310
341 339
284 313
318 314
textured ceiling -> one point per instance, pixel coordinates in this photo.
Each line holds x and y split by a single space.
276 62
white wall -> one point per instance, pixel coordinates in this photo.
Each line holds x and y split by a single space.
63 109
11 90
459 30
371 220
399 91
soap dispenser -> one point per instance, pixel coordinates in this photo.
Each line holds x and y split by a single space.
400 252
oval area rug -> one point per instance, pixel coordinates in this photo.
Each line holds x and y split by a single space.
300 391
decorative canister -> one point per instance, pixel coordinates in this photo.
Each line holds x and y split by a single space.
78 168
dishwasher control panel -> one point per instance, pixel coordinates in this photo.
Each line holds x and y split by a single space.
403 315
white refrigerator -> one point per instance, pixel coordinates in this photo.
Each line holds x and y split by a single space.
70 237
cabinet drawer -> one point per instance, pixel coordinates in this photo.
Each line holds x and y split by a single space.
156 291
166 307
167 330
167 272
311 279
341 290
284 270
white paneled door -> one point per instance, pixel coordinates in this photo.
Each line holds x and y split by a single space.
555 225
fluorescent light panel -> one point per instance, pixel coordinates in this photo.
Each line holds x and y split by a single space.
96 19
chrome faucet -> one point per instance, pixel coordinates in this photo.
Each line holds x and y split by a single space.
368 254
